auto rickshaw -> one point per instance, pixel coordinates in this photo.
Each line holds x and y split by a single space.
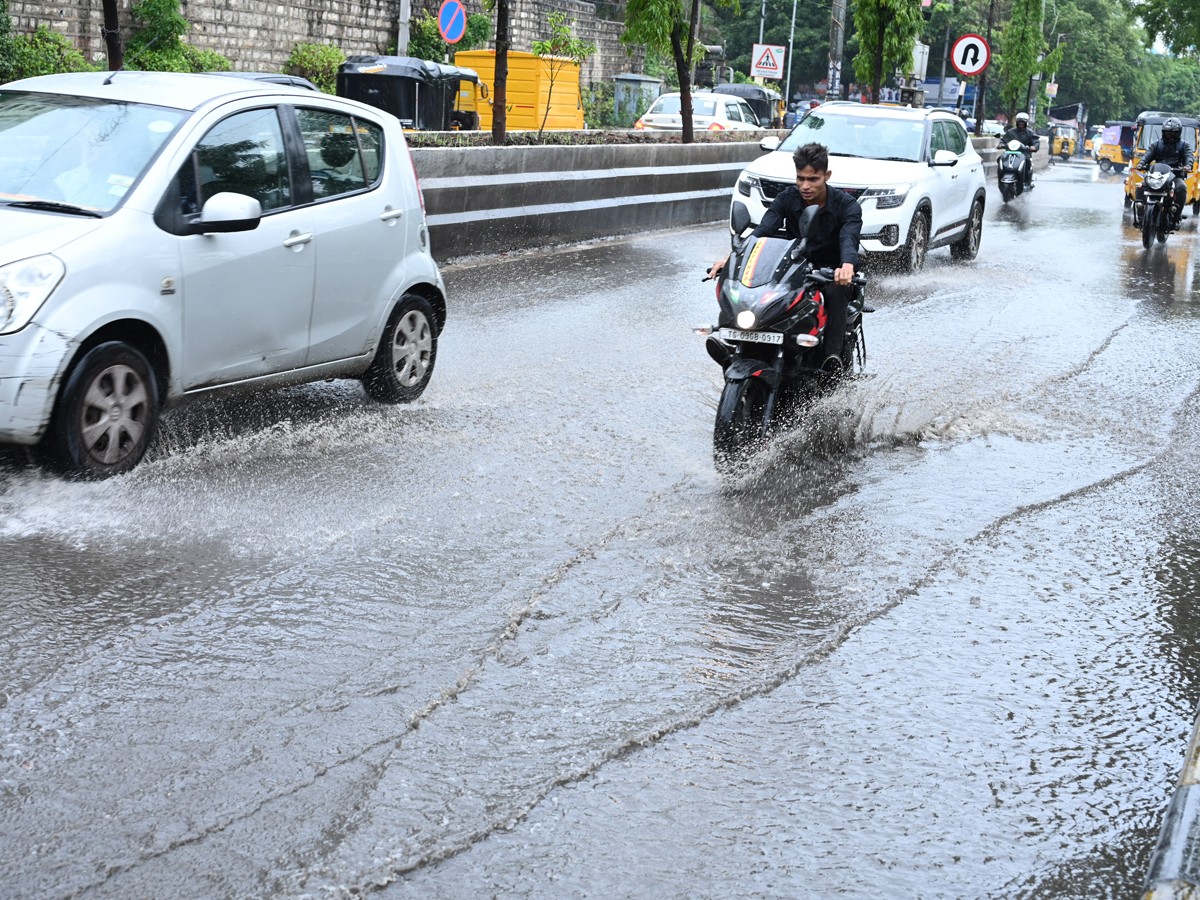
1065 140
1116 145
766 103
1148 129
423 95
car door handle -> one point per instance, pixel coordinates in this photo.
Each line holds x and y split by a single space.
389 214
295 240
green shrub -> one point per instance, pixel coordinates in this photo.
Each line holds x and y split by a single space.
319 63
6 43
157 43
44 52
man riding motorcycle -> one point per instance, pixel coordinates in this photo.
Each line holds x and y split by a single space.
1175 152
1023 133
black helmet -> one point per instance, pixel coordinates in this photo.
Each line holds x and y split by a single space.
1172 130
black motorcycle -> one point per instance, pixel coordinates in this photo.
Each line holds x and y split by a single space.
770 336
1156 210
1010 170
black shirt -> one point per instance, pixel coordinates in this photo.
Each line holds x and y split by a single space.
1177 155
1025 135
835 232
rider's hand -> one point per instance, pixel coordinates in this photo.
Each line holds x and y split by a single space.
717 267
843 274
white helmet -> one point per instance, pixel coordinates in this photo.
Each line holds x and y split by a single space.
1022 117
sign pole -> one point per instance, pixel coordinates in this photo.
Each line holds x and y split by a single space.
787 98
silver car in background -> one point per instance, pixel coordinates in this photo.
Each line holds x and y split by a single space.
167 235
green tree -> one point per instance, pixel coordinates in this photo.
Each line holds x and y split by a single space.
808 62
1175 22
561 50
1023 54
887 31
669 28
157 43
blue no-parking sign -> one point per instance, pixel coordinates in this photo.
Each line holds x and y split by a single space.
452 21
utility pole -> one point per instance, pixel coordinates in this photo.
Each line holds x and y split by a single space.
837 43
402 27
762 21
981 89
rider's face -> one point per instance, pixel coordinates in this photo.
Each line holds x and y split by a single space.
811 184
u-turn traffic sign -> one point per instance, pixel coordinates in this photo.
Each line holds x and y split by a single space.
970 55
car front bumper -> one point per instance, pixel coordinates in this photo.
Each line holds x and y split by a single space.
31 363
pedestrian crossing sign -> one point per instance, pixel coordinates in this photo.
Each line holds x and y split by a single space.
767 61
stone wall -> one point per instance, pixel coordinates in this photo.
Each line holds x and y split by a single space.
258 35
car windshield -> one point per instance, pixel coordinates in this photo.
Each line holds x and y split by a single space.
670 106
870 137
76 151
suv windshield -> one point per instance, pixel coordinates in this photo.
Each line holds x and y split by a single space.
76 151
870 137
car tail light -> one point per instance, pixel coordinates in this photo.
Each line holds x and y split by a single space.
716 126
639 125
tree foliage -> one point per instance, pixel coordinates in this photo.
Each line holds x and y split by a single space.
157 42
1175 22
887 31
44 52
319 63
1022 53
6 43
560 51
808 62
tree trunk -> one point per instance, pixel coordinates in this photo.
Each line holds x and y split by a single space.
500 84
877 63
112 36
685 87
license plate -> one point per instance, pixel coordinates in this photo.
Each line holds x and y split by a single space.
752 337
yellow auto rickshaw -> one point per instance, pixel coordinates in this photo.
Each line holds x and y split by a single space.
1148 129
1064 141
1116 145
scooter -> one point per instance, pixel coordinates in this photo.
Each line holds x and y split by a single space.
770 336
1011 170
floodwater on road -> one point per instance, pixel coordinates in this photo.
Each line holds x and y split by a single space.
519 639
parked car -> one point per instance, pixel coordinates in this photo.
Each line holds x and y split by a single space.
167 235
914 171
710 112
272 78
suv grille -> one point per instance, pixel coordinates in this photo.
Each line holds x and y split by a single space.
772 189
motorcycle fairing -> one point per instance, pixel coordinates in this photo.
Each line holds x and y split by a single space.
743 368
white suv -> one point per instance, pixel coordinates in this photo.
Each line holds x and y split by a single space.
914 171
165 236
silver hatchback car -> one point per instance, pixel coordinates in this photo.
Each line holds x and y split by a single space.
166 235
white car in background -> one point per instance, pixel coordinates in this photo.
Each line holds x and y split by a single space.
914 171
710 112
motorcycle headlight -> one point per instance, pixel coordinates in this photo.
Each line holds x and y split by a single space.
24 287
746 319
888 197
1156 180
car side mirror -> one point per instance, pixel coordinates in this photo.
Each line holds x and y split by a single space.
227 212
769 144
944 158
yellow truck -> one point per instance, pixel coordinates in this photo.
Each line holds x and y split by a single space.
529 88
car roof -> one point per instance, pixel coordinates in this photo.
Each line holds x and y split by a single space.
272 77
175 90
915 113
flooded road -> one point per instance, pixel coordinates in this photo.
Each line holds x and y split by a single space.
520 640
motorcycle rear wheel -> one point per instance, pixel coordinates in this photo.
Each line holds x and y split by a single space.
738 429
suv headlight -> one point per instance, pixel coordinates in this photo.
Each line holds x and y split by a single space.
24 287
888 197
747 184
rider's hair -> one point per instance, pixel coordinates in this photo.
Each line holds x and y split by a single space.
814 155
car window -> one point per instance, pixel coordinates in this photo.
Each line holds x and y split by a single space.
343 152
245 154
704 107
869 136
747 113
732 112
955 138
937 140
665 106
76 150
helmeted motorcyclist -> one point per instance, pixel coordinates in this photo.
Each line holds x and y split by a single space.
1023 133
1175 152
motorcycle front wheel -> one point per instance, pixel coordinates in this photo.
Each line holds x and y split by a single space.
738 429
1149 224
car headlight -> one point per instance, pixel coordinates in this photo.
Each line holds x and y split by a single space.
747 184
24 287
888 197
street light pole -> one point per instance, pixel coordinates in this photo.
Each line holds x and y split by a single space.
791 41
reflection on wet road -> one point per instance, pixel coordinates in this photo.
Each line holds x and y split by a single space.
520 640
